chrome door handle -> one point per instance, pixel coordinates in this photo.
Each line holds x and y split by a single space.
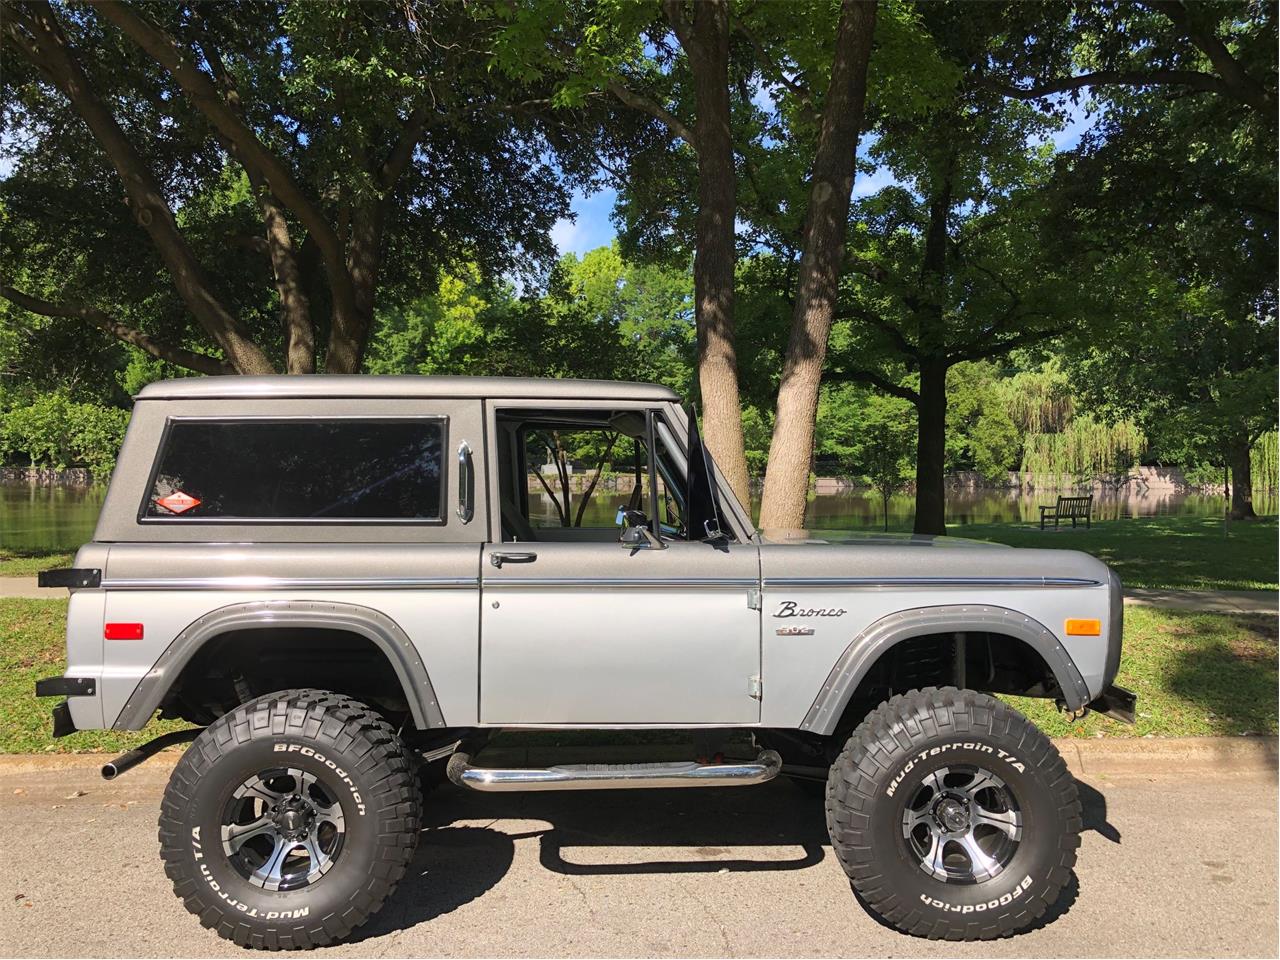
498 559
466 484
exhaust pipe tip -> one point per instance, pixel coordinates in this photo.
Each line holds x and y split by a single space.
109 771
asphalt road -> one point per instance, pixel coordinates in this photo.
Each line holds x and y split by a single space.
1169 865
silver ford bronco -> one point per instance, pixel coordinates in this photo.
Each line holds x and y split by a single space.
350 585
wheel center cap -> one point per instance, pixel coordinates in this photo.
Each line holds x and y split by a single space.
294 818
952 814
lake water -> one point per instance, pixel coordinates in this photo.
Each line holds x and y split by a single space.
43 518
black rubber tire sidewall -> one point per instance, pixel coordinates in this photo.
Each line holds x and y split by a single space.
329 893
322 733
897 742
1040 828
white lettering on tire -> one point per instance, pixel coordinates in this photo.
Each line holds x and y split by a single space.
1004 755
993 904
321 758
231 901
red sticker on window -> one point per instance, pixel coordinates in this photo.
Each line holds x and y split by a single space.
178 502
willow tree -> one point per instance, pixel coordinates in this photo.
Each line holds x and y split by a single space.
238 188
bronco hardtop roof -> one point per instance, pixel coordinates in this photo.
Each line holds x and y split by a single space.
387 387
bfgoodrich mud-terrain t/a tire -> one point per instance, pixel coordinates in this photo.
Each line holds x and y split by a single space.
290 820
954 817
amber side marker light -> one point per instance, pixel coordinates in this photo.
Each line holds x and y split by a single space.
1084 628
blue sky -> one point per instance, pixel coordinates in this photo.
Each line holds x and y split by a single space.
592 228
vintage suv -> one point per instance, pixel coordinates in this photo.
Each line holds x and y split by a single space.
351 583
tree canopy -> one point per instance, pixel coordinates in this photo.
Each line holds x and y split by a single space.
941 217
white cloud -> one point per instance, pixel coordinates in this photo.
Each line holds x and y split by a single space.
865 185
565 235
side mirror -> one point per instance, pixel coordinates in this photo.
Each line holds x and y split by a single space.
639 537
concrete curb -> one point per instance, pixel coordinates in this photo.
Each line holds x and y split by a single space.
1098 757
1193 755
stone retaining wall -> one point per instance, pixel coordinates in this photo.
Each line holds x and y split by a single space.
46 476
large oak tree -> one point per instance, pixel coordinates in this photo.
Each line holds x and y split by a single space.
271 171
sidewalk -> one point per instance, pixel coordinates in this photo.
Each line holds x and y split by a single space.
1207 601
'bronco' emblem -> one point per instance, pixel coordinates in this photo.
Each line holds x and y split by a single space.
787 608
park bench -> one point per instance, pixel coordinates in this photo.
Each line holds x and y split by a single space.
1067 508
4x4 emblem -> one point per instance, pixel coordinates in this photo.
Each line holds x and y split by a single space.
178 502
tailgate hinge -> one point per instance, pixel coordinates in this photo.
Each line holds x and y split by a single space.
753 598
755 688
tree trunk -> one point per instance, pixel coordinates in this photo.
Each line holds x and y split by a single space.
347 340
706 43
295 306
791 449
1238 457
931 450
931 436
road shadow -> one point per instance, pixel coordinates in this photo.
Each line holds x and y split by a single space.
459 861
1093 813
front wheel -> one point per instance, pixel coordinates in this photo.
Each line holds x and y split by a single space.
290 820
954 817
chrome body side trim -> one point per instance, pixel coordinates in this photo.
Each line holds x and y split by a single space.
606 776
614 582
789 582
290 583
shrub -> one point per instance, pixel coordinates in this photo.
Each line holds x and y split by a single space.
57 432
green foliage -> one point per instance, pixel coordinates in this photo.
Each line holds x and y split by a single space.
887 441
54 431
1085 450
598 316
757 431
330 90
1266 462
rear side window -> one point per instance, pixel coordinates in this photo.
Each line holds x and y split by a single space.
299 470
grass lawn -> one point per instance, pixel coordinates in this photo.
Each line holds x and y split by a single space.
1196 674
32 638
20 564
1180 553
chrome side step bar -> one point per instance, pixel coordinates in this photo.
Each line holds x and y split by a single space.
613 776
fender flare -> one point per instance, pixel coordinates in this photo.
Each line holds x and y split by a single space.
376 627
866 648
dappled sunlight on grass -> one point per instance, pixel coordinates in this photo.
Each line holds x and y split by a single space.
1195 674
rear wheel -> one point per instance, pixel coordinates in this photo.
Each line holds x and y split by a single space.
954 817
290 820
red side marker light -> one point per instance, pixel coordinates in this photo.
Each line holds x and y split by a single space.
178 502
122 631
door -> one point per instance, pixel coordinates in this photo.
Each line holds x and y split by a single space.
580 629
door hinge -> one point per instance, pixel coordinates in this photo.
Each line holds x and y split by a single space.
753 598
755 688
